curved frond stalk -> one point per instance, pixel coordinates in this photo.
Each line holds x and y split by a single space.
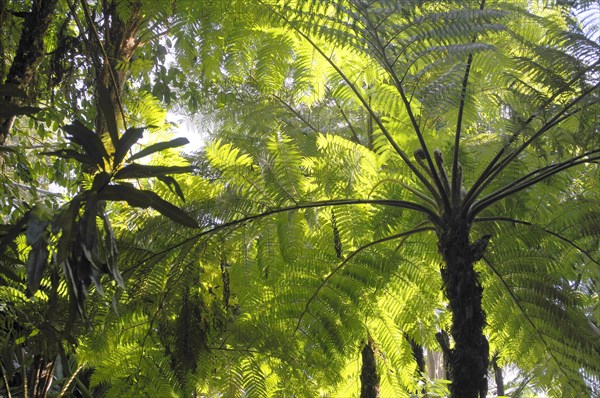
350 257
526 182
557 235
325 203
368 107
455 191
496 165
538 333
444 195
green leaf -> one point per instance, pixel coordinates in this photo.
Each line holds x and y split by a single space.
145 171
89 141
143 199
159 146
173 185
130 137
108 110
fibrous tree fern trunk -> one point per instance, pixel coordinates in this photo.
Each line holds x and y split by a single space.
469 357
369 379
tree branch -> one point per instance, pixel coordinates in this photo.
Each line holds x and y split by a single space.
342 202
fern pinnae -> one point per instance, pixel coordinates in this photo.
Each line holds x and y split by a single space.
492 198
524 313
455 190
497 165
346 260
480 183
368 107
417 129
585 252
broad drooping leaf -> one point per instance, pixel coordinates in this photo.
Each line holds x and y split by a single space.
144 198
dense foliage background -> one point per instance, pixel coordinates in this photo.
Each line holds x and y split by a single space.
390 198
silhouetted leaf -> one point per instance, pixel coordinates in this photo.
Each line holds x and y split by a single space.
130 137
89 231
7 149
36 263
108 110
67 223
91 143
173 185
100 181
71 154
177 142
38 256
36 229
143 199
145 171
111 251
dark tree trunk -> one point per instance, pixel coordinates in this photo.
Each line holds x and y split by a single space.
469 356
419 356
40 378
444 341
30 52
498 376
120 44
369 379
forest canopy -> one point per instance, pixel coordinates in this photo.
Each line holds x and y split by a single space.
383 198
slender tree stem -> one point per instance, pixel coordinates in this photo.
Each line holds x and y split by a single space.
69 382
